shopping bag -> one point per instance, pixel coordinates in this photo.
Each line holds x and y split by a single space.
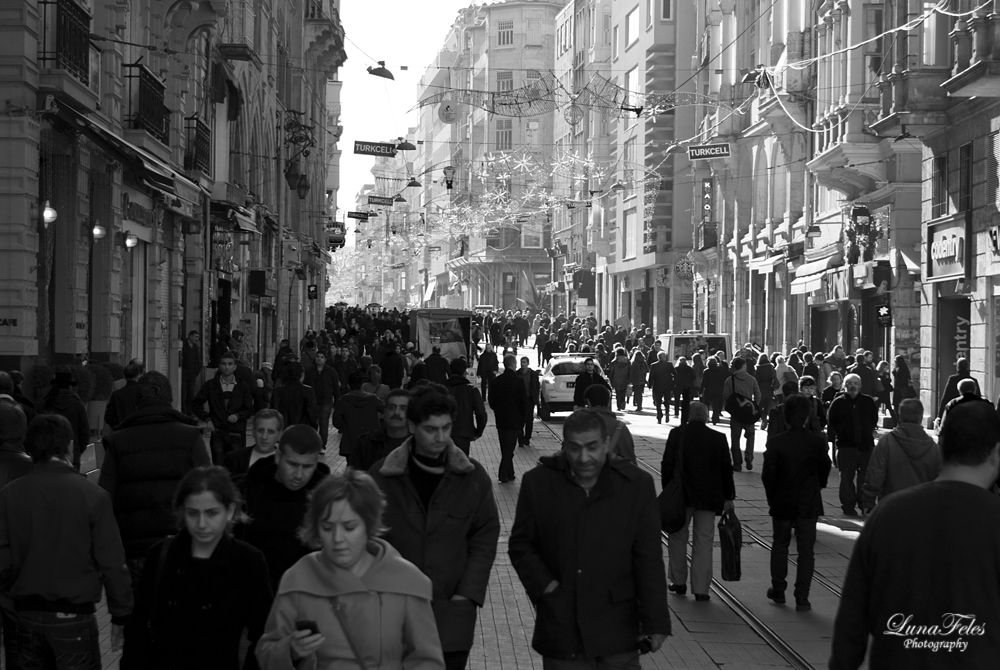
673 511
731 541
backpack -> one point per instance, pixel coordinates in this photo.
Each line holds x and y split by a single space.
739 407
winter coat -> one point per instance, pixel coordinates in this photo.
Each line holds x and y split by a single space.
325 383
684 377
488 365
796 467
951 390
619 372
67 403
276 514
437 368
532 384
509 401
766 376
622 446
604 551
121 404
712 382
661 378
453 541
583 382
393 370
470 416
356 413
707 476
14 462
387 610
784 373
900 380
297 404
200 609
743 383
240 403
144 461
868 377
841 421
903 458
638 373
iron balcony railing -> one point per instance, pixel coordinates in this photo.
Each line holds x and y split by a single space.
199 146
146 109
65 42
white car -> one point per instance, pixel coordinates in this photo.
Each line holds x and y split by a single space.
558 381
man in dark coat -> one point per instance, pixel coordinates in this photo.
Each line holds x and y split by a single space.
590 375
707 475
191 367
418 370
951 386
230 405
276 492
487 369
796 466
14 462
852 418
437 366
393 369
533 387
587 525
377 444
295 400
661 384
684 378
124 401
144 461
357 412
863 368
442 517
470 419
325 383
267 427
509 401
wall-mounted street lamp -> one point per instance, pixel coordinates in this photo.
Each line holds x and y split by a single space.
99 231
49 214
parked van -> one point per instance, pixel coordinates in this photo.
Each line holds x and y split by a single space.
688 343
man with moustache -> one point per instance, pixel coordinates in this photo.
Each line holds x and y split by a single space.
376 445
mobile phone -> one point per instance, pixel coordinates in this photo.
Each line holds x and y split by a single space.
307 624
645 645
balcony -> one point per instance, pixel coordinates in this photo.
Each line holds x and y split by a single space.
324 36
914 98
64 54
198 156
146 109
706 235
974 43
236 41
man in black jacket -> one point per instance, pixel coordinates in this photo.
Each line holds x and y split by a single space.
590 375
865 370
295 400
487 369
509 401
470 419
357 412
267 427
533 387
661 383
14 462
796 467
325 383
437 366
377 444
230 405
393 369
124 401
853 418
191 367
144 461
277 495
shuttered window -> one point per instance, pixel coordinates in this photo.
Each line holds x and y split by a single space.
939 186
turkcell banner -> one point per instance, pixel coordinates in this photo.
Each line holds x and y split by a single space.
375 148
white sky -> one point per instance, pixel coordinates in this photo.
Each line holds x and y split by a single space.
400 32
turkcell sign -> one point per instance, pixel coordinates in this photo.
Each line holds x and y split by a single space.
358 215
380 200
705 151
375 148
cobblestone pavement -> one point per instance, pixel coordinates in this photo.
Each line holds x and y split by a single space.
705 635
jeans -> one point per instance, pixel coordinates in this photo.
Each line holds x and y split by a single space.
621 397
508 443
805 541
735 429
701 553
766 402
853 469
57 641
659 400
323 413
529 421
627 660
222 442
485 384
637 395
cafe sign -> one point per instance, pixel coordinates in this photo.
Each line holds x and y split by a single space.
949 251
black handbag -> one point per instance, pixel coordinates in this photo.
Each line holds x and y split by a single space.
673 511
730 541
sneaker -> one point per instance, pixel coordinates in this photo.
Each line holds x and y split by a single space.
679 589
802 604
776 596
749 465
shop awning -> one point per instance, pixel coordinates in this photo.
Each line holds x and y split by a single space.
808 284
243 222
818 266
429 291
766 264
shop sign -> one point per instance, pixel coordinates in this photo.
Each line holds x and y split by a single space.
375 148
151 217
382 200
949 252
706 151
313 291
363 216
884 314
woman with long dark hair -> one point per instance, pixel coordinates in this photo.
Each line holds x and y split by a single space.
199 588
901 382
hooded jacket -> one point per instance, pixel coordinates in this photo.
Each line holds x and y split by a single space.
470 406
619 372
276 514
14 462
453 541
297 403
905 457
604 550
387 610
144 460
356 413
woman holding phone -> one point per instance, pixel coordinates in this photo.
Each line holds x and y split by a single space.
355 601
200 588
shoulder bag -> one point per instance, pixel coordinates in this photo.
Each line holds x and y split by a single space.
673 510
338 610
161 564
739 407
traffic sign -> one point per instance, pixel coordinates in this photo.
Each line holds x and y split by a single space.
706 151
